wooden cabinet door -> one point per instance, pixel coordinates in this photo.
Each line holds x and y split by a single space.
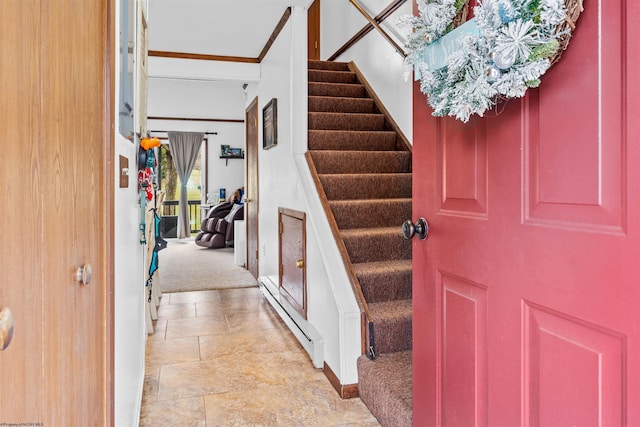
292 258
55 77
526 290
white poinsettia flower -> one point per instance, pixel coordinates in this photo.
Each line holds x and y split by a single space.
516 40
552 12
430 13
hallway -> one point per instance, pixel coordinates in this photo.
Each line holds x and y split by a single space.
224 357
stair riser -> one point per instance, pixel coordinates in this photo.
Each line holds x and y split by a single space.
333 162
392 335
332 104
359 187
335 89
331 76
370 214
386 287
346 121
375 247
328 65
344 140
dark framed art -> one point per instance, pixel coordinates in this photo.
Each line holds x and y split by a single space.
270 124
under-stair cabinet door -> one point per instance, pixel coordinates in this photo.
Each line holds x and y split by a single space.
57 267
526 291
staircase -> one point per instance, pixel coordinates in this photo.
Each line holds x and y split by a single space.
363 168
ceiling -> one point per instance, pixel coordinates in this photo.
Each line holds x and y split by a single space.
214 27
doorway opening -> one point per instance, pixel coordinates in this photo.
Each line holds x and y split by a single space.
169 183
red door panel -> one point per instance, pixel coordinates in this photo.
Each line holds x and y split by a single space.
526 290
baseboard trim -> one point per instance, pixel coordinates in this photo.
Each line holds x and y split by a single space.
346 391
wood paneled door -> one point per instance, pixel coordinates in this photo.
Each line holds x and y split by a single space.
526 290
57 191
251 190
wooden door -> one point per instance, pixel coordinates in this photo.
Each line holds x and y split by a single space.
251 190
313 29
55 76
526 290
292 257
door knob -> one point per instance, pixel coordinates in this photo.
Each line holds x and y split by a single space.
6 327
84 274
300 263
420 229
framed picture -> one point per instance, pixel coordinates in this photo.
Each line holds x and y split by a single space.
224 150
235 152
270 124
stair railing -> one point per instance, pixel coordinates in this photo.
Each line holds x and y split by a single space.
373 23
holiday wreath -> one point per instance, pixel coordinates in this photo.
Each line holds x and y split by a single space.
468 68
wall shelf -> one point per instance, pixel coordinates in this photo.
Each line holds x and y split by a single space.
230 157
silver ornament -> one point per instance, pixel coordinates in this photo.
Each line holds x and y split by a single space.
493 74
503 61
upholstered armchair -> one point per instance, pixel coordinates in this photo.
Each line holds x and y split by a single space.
217 227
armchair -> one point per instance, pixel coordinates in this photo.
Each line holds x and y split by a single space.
217 227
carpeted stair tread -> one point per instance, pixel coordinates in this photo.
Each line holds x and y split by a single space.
332 104
366 186
336 89
391 325
331 76
337 162
370 212
364 169
346 121
375 244
385 280
386 386
351 140
328 65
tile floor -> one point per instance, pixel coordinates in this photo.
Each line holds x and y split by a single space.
225 358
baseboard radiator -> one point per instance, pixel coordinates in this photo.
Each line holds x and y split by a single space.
306 334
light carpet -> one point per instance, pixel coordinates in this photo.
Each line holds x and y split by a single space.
184 266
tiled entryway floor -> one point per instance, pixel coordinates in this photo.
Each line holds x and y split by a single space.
225 358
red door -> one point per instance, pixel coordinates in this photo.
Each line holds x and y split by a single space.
526 291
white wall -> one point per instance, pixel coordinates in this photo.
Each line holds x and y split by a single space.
129 289
381 65
130 332
284 181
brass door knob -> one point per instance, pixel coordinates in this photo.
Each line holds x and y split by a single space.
6 327
300 263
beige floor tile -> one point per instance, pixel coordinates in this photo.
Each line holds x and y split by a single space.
195 296
314 404
225 358
251 320
177 311
233 373
171 351
197 326
249 341
150 390
159 331
229 306
240 293
174 413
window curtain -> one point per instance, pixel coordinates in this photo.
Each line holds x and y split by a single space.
184 149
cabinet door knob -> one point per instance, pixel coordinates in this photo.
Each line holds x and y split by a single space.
84 274
300 263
